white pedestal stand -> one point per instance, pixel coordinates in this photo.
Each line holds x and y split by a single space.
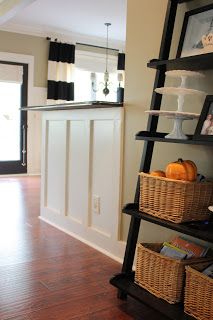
177 132
179 116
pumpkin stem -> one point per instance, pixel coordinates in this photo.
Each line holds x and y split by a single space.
180 160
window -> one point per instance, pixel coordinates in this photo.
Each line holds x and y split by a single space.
83 90
88 62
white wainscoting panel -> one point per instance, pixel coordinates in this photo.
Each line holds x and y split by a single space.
77 171
81 172
102 176
55 165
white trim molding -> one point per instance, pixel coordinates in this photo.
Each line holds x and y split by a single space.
118 256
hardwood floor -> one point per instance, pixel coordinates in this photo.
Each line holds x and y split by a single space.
46 274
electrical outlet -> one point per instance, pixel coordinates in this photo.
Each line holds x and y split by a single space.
96 204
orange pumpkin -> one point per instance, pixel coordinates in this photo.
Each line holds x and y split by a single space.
158 173
182 170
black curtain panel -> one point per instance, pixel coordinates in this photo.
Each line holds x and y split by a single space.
61 64
121 61
121 76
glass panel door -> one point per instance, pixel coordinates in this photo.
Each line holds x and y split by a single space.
13 93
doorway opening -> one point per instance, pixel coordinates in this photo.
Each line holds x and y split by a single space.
13 121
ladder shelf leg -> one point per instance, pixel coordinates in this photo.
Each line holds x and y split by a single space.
130 251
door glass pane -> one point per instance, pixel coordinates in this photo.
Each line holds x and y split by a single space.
10 98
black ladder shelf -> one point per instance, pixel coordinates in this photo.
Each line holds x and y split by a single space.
124 281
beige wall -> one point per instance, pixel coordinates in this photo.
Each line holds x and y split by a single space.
29 45
145 21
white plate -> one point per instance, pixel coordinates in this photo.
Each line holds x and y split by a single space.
179 91
184 73
174 114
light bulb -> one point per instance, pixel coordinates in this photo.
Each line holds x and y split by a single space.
106 76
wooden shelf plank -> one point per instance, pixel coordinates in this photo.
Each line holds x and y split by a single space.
198 62
159 136
202 230
127 285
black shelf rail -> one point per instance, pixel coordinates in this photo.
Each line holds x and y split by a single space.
126 284
202 229
160 137
198 62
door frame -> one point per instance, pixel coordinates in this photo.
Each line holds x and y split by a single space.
29 60
16 167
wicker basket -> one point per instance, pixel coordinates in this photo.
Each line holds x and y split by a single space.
162 276
175 200
198 300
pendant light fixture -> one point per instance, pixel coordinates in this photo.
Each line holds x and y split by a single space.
106 73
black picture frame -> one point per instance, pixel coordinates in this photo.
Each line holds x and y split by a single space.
191 37
204 129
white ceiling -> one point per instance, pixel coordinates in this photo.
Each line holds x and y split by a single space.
82 17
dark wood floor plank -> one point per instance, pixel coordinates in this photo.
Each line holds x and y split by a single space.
71 295
22 317
46 274
79 307
105 314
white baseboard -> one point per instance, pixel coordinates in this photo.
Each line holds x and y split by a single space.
107 253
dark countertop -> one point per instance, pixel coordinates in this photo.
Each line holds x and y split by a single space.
74 105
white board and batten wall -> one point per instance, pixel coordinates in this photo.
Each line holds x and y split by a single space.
81 175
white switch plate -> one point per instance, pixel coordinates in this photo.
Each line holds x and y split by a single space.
96 204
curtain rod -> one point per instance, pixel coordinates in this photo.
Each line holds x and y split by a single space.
85 44
91 45
49 39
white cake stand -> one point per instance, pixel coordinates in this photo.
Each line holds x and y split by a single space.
179 117
181 92
184 73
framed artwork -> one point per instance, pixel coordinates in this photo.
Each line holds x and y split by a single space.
204 129
197 32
